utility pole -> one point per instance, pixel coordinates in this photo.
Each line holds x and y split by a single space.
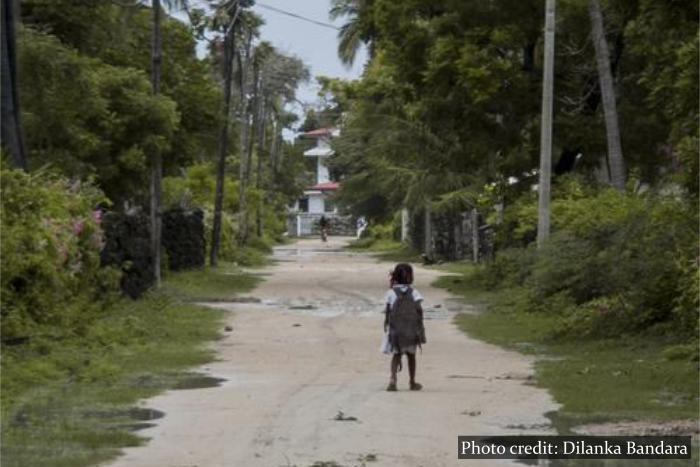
157 161
543 213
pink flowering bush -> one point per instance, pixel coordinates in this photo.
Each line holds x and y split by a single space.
49 252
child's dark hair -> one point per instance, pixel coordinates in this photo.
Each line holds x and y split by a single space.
402 274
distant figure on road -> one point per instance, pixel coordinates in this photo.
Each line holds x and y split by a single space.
403 323
324 223
361 226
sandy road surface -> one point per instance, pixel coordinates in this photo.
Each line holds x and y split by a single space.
290 370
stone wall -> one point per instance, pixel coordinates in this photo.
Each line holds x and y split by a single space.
183 238
307 224
128 247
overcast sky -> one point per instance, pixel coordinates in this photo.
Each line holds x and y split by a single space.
316 45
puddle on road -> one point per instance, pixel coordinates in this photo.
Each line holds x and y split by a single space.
305 251
198 381
143 415
244 300
132 419
303 307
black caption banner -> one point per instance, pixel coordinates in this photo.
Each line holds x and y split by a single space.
573 447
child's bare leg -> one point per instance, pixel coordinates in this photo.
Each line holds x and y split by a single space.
411 366
395 363
412 371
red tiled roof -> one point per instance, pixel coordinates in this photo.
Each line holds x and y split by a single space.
326 186
318 132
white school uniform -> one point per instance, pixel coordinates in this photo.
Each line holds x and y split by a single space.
390 299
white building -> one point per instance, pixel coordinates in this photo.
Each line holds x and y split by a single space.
316 200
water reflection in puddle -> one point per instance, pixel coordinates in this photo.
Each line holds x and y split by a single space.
198 381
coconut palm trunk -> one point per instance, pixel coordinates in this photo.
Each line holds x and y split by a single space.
259 172
607 90
223 141
244 118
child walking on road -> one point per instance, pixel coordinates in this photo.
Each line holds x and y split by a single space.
404 323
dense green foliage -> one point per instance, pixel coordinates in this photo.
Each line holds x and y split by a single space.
447 112
94 127
616 263
94 100
449 101
196 189
52 282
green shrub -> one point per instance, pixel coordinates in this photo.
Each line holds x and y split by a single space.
681 352
51 240
510 267
614 263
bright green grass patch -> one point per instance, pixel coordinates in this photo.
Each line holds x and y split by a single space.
70 403
210 284
627 378
387 250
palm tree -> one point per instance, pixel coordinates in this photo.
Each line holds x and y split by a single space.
245 107
232 10
350 34
607 91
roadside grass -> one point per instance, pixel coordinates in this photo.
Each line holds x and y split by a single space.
630 377
210 284
387 250
73 403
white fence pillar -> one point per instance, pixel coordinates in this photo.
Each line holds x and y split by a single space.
475 235
404 225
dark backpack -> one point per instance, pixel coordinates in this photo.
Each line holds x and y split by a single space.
405 325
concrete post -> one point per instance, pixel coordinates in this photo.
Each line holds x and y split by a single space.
428 230
404 225
475 235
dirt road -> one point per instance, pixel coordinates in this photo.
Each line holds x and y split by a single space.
309 350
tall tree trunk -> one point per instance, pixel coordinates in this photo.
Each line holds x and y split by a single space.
245 136
546 127
253 119
156 162
259 183
223 144
274 149
11 118
607 90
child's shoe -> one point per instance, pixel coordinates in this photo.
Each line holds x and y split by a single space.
392 386
416 386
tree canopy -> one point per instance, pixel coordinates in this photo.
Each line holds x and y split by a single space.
449 101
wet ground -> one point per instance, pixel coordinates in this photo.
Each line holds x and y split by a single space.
300 380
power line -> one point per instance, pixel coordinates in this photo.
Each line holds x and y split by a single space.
294 15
